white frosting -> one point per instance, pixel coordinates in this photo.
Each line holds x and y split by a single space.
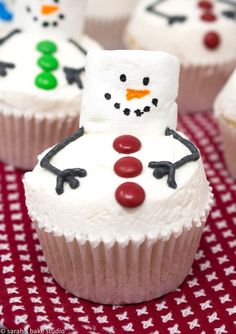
185 40
105 10
91 211
18 93
64 18
103 73
225 104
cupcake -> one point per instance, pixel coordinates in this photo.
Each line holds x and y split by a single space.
202 34
106 22
41 78
225 111
6 16
120 205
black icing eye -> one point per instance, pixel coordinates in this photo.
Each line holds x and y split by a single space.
146 81
28 9
107 96
123 78
57 1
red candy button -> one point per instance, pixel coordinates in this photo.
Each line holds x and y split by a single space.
128 167
209 17
127 144
212 40
205 4
130 195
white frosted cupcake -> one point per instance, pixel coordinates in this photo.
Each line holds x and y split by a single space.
41 78
106 21
202 34
225 111
120 205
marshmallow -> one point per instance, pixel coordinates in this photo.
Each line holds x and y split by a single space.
130 91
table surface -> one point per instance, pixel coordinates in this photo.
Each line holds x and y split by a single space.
205 303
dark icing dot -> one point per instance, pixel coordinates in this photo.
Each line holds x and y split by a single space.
123 78
28 9
61 16
155 102
127 144
45 24
128 167
147 109
146 81
127 111
117 105
130 195
138 113
212 40
55 24
57 1
35 18
107 96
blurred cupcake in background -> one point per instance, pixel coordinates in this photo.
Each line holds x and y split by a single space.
202 34
225 111
107 19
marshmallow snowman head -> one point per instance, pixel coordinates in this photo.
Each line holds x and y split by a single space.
61 17
130 92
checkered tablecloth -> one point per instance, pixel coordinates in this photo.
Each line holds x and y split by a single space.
205 303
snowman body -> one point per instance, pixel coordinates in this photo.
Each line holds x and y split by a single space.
116 149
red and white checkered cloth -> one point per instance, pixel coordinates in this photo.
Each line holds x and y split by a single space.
205 303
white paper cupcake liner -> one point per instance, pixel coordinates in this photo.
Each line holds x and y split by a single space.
23 138
119 274
199 84
228 134
108 32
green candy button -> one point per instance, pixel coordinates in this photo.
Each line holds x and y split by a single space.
46 47
46 81
48 63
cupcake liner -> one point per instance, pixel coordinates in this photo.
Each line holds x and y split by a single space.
228 134
22 138
108 32
199 84
121 274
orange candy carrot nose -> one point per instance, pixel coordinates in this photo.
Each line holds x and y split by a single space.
136 94
49 9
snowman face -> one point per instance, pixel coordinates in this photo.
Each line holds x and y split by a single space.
64 17
128 90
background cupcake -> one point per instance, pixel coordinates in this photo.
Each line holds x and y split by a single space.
120 205
106 21
225 111
202 34
41 77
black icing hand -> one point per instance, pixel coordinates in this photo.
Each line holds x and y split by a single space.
171 19
68 175
73 76
163 168
230 14
4 66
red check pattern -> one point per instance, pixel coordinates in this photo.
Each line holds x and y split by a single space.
205 303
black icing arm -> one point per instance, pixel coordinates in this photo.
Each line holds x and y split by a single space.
73 76
163 168
67 175
9 35
171 19
4 66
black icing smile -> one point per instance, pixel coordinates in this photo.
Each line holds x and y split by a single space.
127 111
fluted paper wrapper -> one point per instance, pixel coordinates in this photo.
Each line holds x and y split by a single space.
120 274
107 32
199 85
23 138
228 134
